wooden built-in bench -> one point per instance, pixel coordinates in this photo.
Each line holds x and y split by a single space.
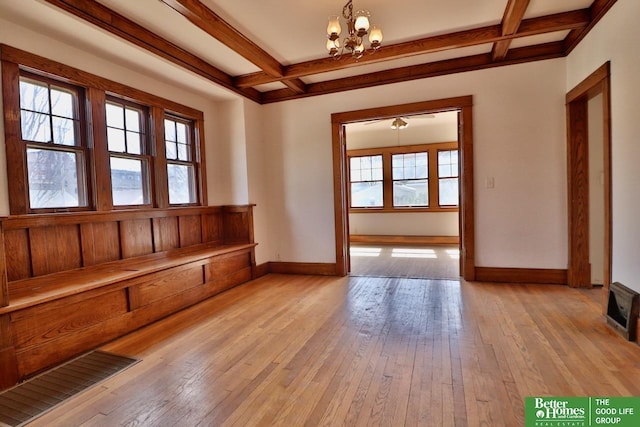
71 282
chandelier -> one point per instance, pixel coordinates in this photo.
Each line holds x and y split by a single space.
358 26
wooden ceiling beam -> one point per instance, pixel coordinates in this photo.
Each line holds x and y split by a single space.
597 10
478 36
296 85
513 15
211 23
111 21
433 69
208 21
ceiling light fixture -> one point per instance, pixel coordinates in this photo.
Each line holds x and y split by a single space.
358 26
398 123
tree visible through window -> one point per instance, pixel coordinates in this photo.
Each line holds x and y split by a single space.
181 171
50 128
126 139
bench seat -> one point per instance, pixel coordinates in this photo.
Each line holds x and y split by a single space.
108 276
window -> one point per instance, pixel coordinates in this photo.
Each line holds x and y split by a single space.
181 170
404 178
127 144
448 177
76 142
55 152
410 179
366 181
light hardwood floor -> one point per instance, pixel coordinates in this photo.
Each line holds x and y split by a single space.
297 350
412 261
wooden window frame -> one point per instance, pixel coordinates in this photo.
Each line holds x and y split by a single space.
145 151
363 181
80 148
96 91
456 176
193 155
387 152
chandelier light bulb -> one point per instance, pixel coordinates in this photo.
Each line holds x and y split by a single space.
362 22
333 28
375 37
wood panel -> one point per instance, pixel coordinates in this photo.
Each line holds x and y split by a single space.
4 285
54 249
8 369
32 360
100 242
166 235
229 281
307 268
136 237
212 228
57 316
18 259
156 286
521 275
237 225
37 325
223 266
190 230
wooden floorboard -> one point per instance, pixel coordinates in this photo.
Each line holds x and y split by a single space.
362 351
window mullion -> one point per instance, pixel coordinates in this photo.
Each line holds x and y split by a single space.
99 151
387 192
433 178
159 166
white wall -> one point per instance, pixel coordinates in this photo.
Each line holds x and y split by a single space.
615 39
519 139
404 224
258 172
224 145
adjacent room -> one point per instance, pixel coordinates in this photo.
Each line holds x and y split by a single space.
353 212
403 196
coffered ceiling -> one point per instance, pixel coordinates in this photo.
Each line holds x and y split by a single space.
274 50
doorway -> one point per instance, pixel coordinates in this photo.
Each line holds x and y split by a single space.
589 218
466 214
404 197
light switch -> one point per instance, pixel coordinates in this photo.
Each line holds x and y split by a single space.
490 183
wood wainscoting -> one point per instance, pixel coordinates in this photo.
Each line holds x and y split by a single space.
72 282
521 275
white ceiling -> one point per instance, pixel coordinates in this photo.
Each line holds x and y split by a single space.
291 31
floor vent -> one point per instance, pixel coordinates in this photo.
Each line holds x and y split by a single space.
29 400
622 310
